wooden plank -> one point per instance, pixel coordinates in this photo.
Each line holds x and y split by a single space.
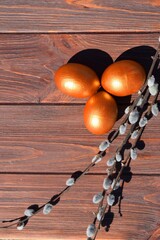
79 16
28 61
70 217
51 139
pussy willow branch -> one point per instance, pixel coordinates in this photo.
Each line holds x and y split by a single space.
100 154
125 162
107 192
85 171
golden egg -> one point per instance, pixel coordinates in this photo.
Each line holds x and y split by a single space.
100 113
77 80
123 78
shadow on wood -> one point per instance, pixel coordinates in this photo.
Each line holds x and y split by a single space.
96 59
140 54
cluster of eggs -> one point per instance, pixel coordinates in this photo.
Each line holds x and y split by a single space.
121 78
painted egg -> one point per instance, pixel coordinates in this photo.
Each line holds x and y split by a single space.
100 113
123 78
77 80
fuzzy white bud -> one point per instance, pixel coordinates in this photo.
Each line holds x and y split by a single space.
47 208
140 101
143 121
29 212
91 230
118 157
70 182
111 162
109 172
133 153
133 116
127 110
151 81
107 183
100 213
110 199
154 109
20 226
134 135
96 159
153 90
97 198
122 129
104 145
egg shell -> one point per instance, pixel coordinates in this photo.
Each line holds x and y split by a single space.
77 80
123 78
100 113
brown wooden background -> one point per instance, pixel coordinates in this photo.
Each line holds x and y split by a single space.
42 135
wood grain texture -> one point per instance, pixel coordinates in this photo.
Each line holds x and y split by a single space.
28 61
70 217
42 136
79 16
52 139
